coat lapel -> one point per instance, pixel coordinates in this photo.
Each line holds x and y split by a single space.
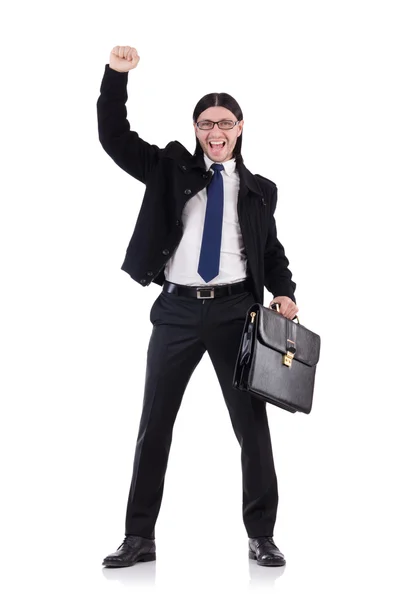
247 179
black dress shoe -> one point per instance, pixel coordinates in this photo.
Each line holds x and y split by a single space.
265 551
134 549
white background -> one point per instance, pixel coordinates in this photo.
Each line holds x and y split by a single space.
316 83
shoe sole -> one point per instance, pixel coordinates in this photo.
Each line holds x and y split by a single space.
142 558
266 564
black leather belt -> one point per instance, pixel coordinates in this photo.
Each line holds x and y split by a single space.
204 292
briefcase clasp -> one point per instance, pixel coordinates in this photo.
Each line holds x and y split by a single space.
287 358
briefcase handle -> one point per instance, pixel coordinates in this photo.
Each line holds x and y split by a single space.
277 304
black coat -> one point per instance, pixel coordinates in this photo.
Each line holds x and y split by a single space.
172 176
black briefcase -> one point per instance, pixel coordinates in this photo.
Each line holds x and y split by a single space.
277 359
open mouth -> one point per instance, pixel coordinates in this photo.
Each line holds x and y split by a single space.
217 146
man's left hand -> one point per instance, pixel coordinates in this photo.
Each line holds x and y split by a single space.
287 307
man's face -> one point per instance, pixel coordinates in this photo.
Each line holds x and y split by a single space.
218 153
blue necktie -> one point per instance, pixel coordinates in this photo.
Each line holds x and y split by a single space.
210 252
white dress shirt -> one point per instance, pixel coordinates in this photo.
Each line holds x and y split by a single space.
182 266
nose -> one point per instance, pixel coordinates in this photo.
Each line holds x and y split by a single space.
216 126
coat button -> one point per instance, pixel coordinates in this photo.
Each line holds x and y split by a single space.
184 167
143 281
188 191
205 175
263 201
150 273
165 251
177 222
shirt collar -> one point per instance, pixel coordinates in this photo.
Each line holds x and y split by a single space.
229 165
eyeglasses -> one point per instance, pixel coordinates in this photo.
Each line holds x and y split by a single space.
224 124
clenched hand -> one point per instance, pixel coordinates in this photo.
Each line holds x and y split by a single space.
288 308
123 58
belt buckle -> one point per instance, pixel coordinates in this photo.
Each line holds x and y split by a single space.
211 290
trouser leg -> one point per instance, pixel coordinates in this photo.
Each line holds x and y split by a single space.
173 353
248 416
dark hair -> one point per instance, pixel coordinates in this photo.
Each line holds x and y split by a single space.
231 104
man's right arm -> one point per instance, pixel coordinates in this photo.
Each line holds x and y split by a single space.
125 147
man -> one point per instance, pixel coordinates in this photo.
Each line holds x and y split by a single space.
206 233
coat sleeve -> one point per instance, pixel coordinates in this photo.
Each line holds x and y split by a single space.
277 276
125 147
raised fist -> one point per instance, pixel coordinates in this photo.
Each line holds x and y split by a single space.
123 58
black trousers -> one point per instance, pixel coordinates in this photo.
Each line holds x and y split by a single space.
183 329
